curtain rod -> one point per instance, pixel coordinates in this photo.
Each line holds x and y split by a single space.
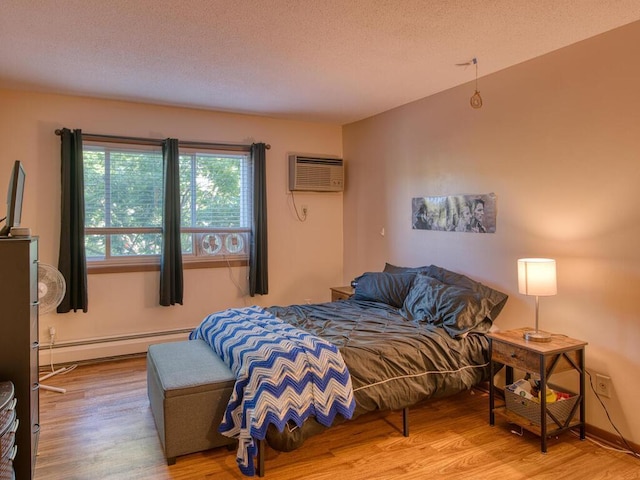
158 141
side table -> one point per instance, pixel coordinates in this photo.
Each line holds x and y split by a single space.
560 354
341 293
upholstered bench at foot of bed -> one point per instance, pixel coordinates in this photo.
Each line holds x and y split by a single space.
189 387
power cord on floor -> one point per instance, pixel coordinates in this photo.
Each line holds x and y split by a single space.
60 371
607 447
629 450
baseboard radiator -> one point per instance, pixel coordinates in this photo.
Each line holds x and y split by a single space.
106 347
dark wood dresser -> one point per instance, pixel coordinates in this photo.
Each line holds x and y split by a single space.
19 343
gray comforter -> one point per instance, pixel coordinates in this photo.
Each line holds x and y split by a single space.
393 362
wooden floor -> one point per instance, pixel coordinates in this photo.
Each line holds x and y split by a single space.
102 428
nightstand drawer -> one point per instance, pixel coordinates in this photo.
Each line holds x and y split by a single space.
515 356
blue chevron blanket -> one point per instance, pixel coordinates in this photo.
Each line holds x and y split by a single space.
282 374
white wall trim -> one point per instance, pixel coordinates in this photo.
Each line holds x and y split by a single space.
104 347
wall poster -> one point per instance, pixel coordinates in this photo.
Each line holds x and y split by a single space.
455 213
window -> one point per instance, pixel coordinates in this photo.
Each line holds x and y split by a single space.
124 204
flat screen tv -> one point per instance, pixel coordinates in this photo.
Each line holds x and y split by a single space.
14 199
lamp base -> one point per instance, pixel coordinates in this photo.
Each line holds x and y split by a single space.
537 336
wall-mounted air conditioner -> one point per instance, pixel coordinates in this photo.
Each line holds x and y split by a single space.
315 174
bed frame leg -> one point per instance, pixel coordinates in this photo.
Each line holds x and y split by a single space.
405 422
260 458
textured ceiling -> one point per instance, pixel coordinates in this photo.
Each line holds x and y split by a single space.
322 60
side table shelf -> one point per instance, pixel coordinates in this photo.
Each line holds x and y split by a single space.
510 349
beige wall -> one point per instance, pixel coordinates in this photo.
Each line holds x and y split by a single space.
558 141
305 259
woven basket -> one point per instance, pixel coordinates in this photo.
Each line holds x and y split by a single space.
7 440
531 410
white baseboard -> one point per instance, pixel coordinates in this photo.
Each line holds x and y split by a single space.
104 347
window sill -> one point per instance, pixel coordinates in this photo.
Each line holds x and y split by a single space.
148 267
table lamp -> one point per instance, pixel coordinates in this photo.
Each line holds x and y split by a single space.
537 276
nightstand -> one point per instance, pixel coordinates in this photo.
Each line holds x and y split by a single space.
560 354
341 293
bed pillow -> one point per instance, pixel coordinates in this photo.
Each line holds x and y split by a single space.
455 308
494 298
383 287
388 268
420 302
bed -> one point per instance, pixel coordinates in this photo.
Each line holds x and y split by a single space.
406 335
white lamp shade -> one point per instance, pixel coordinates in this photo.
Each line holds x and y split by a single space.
537 276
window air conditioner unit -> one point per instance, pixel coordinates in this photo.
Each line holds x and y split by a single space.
315 174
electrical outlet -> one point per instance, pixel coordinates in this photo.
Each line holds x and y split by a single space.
305 210
603 385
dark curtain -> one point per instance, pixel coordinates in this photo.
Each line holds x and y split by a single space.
258 265
72 261
171 282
